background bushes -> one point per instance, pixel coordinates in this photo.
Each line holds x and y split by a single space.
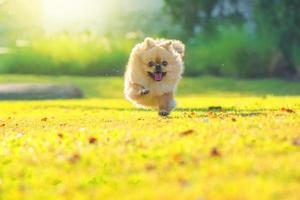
240 38
73 55
234 52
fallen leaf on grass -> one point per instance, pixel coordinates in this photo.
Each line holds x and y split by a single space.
183 182
211 115
287 110
44 119
63 124
142 145
195 160
296 142
60 135
74 158
179 159
193 113
186 133
130 141
150 167
190 115
92 140
22 188
215 152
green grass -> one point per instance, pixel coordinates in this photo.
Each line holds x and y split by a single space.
104 148
112 87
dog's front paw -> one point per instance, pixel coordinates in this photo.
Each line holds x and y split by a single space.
163 113
144 92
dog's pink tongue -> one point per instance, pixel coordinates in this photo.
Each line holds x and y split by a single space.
158 76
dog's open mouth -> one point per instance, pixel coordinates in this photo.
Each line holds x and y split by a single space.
157 76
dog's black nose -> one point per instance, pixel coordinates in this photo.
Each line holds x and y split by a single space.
158 68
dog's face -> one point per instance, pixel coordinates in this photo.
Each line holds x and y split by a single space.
161 59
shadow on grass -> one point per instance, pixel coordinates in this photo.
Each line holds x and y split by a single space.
201 112
230 110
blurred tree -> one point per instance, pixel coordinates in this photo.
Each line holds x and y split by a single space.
280 19
191 13
205 14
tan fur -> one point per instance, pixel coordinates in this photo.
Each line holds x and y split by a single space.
166 102
140 88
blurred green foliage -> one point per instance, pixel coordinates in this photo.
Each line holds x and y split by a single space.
75 55
216 32
278 19
204 14
281 19
234 52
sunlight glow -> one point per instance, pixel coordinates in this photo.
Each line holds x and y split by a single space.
78 14
59 15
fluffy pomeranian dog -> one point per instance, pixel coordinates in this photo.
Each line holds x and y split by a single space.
154 69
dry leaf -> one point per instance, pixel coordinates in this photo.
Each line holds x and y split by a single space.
177 157
287 110
211 114
74 158
92 140
44 119
150 167
186 133
193 113
183 182
296 142
215 152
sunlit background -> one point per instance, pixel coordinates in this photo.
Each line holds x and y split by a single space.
236 38
68 132
79 15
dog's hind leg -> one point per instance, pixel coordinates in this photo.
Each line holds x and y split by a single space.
166 104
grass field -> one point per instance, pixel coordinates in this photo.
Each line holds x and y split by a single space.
246 147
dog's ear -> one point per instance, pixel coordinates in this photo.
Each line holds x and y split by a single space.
149 43
166 44
179 47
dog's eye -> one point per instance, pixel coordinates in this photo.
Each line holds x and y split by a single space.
164 63
151 64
